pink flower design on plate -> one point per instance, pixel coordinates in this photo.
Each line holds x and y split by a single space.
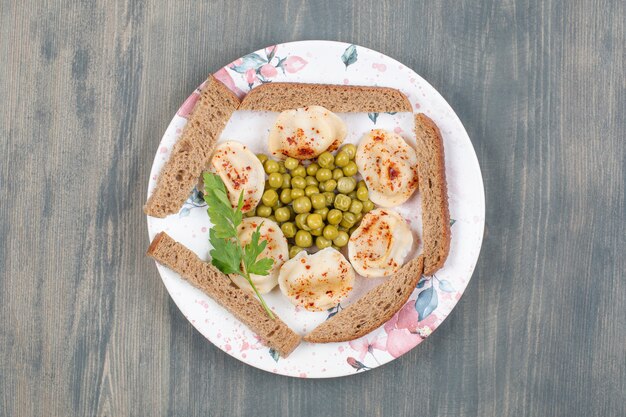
404 332
223 76
293 64
189 104
363 346
250 77
268 71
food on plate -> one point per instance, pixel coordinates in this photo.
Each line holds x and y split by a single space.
389 167
316 282
304 133
379 246
192 152
337 98
435 211
311 207
372 310
241 171
243 305
275 249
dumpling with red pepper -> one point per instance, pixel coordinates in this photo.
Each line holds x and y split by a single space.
306 132
316 282
389 167
241 171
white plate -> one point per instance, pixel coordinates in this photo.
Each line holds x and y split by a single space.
433 299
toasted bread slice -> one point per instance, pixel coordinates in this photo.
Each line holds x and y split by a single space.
192 153
371 310
433 186
243 305
336 98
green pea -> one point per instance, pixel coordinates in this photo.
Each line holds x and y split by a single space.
353 229
359 216
368 206
342 239
270 166
343 229
330 198
329 185
298 182
312 169
323 174
293 251
311 181
289 229
334 217
323 212
281 167
275 179
362 194
318 201
285 196
314 221
352 194
292 213
302 205
317 232
301 221
350 169
278 204
326 159
263 211
300 171
262 157
291 163
322 243
330 232
342 202
303 239
346 184
250 213
350 149
296 193
342 159
310 190
282 214
335 247
348 220
286 181
361 184
356 207
337 173
270 198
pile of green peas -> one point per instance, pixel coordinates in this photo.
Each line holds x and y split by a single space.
320 203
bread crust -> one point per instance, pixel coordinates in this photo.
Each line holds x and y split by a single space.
242 304
434 190
192 152
281 96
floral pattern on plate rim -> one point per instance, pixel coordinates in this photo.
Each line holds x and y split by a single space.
433 298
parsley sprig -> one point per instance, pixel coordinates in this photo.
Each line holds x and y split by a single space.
228 254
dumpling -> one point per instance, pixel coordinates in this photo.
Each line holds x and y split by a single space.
276 249
240 170
316 282
306 132
389 167
381 243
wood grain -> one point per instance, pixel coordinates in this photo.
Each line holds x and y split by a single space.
89 87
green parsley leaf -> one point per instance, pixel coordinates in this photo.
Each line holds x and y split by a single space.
228 254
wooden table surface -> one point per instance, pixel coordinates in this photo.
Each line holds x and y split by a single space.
88 88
